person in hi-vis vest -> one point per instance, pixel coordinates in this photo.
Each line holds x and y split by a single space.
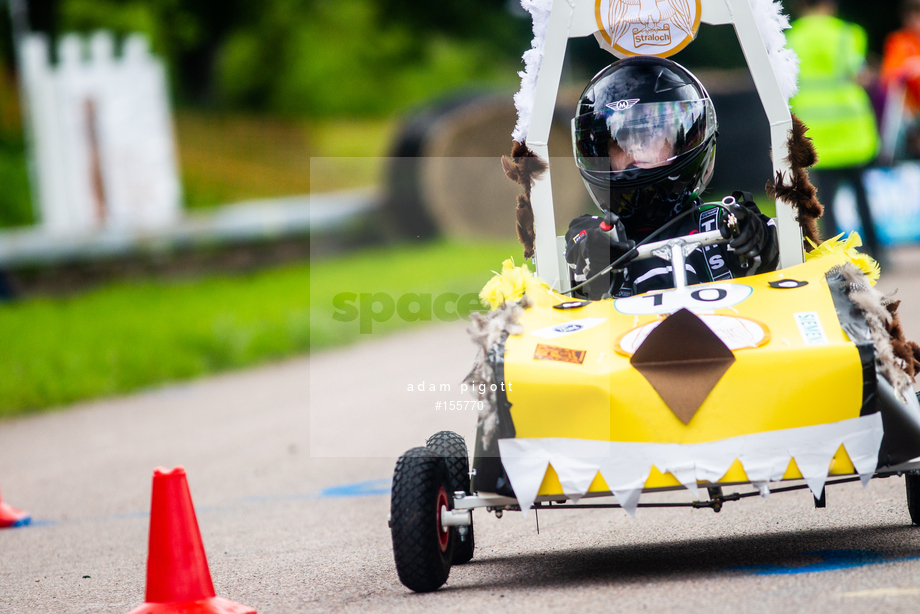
836 108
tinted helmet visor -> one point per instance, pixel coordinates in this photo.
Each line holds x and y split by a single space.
627 136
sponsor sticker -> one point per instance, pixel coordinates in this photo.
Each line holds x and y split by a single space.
810 328
551 352
632 27
622 105
567 328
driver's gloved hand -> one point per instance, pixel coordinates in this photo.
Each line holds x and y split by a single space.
589 250
598 249
747 231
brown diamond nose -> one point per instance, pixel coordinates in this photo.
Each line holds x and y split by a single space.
683 360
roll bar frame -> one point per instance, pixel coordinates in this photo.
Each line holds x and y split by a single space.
576 18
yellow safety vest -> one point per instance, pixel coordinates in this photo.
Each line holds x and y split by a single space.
835 108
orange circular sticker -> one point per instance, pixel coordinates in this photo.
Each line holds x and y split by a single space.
647 27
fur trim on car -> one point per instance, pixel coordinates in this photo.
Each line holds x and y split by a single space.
797 189
897 359
489 331
524 167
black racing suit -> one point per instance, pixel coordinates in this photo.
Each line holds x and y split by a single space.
711 263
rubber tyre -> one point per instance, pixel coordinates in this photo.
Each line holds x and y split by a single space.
912 484
422 560
452 448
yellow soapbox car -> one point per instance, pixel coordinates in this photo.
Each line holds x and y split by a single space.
782 380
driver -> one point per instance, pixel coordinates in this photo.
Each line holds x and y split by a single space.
644 138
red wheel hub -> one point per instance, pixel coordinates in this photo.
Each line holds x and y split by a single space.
443 532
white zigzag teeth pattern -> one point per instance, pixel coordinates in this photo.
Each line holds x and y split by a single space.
625 466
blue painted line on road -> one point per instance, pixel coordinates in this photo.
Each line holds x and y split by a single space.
359 489
831 560
367 488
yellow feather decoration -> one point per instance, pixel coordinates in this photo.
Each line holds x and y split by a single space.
509 285
847 249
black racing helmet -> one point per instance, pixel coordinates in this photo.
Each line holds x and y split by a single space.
644 136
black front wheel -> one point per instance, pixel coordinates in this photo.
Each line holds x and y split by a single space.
912 482
422 549
452 448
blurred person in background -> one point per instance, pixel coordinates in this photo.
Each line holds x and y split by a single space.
836 108
901 79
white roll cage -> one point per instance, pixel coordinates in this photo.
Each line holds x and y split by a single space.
576 18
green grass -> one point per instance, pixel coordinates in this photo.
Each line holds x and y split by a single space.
227 158
437 269
128 336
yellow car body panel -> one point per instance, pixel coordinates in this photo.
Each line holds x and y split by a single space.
783 382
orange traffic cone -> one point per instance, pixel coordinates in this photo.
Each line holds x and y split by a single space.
11 517
178 578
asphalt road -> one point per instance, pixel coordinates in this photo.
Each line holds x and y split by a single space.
289 467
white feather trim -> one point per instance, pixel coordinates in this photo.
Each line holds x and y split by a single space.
523 100
771 22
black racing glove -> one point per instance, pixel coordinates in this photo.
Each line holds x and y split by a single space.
589 250
598 249
747 231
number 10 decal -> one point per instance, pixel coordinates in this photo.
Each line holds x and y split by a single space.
708 298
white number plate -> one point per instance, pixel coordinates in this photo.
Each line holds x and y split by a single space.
695 298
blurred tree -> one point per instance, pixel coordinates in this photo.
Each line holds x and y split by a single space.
187 32
343 57
313 57
357 57
496 22
332 58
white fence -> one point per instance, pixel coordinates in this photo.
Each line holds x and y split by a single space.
103 151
